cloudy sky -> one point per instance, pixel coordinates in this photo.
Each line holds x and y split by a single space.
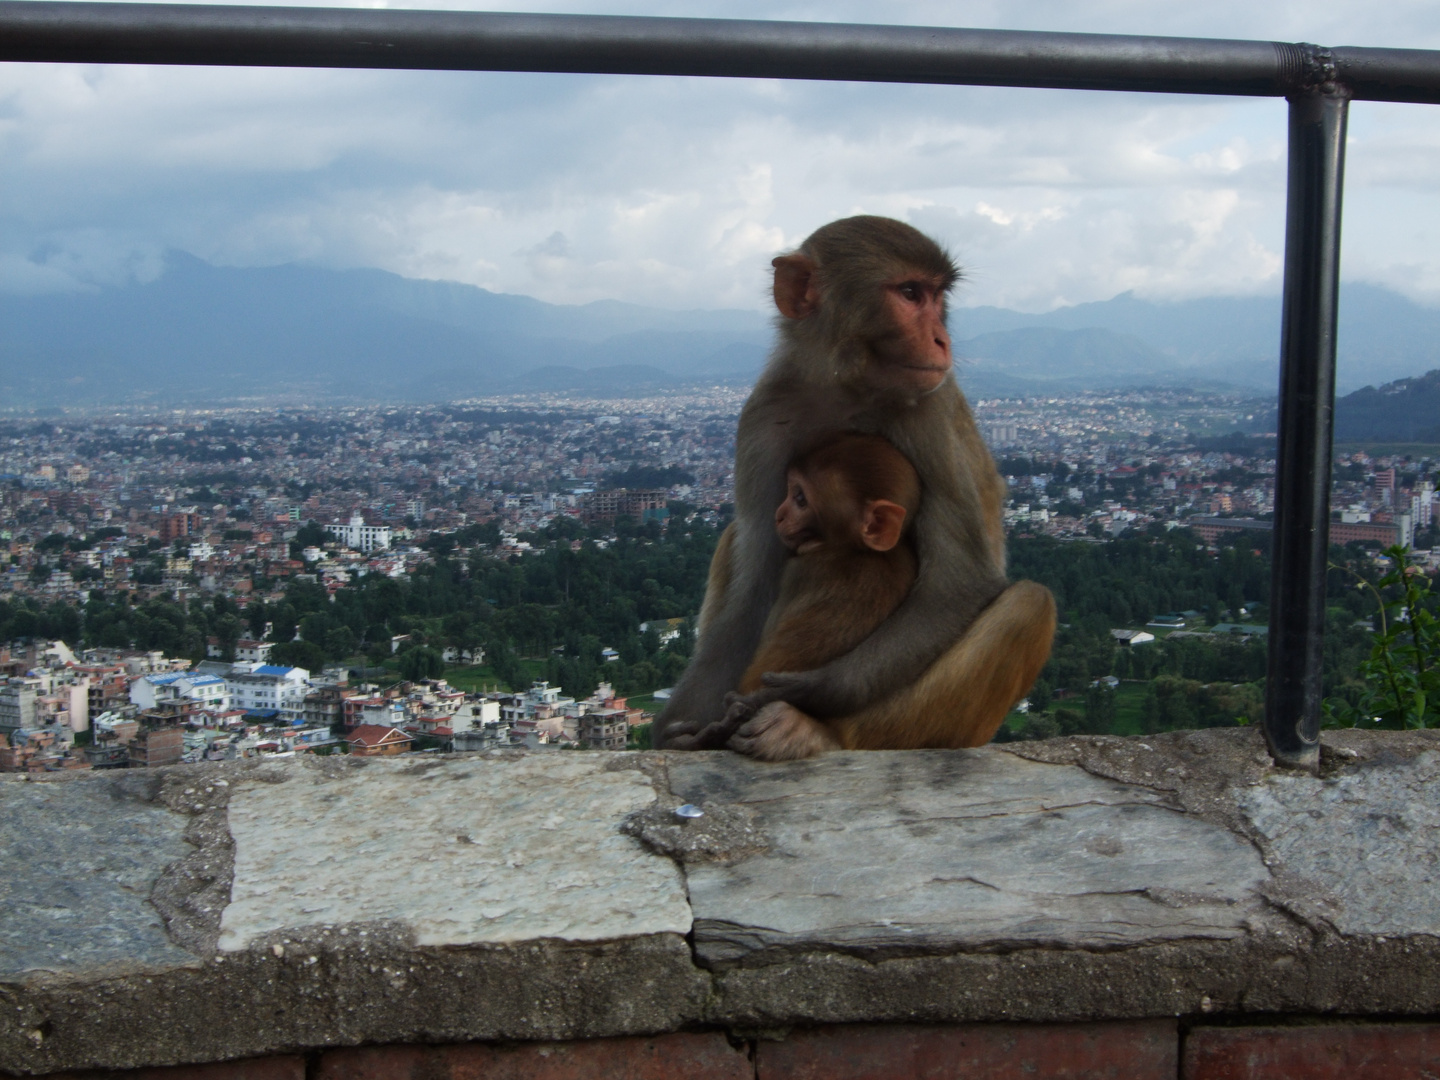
676 192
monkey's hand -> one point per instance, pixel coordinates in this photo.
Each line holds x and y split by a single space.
792 686
713 736
781 732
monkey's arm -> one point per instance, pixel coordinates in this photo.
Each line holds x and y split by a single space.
899 650
744 575
743 578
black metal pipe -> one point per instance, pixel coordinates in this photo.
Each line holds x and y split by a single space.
339 37
1307 406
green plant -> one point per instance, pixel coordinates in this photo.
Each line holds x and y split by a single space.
1401 686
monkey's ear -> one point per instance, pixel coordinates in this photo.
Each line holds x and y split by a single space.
796 294
884 522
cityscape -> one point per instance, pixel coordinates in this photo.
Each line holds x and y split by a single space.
206 584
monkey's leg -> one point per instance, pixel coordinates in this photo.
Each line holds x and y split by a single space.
743 580
781 732
717 584
962 698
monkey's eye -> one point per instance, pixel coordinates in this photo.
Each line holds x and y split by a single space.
799 496
911 291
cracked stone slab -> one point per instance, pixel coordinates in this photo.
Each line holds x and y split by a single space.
1369 837
470 851
932 851
79 862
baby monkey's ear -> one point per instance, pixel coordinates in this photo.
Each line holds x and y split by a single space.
883 523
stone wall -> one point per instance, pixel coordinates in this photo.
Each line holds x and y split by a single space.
1099 906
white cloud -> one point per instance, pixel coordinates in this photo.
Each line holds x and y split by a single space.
677 191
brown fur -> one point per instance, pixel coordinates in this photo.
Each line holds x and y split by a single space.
830 601
841 367
832 597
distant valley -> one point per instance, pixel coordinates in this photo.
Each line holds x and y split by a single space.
205 334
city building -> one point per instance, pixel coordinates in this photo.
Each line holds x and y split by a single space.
646 505
361 537
269 691
18 703
208 691
604 729
158 746
371 740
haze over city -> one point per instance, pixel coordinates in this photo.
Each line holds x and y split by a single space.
676 192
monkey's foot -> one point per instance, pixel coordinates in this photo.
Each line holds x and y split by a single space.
781 732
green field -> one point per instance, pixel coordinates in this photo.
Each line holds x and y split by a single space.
475 679
1130 708
1384 449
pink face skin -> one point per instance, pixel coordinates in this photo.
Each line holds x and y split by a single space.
796 521
915 355
913 351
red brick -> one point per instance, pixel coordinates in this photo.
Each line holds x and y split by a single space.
280 1067
665 1057
1352 1051
1138 1050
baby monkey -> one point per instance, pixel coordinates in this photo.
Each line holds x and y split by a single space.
847 507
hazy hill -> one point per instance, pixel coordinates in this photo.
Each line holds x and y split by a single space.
202 332
205 333
1407 410
1217 341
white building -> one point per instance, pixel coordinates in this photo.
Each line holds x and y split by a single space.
1422 505
267 688
361 537
247 651
1132 637
17 702
148 691
477 714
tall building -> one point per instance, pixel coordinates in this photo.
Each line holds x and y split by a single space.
647 505
180 523
1422 505
361 537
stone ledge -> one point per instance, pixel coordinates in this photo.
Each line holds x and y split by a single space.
280 907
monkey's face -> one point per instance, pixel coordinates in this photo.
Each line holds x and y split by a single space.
912 345
797 521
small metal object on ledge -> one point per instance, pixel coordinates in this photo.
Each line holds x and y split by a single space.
688 811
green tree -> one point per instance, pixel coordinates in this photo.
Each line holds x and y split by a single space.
301 654
421 662
227 631
341 643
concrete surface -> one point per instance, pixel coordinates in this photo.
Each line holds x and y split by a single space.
77 863
201 913
462 851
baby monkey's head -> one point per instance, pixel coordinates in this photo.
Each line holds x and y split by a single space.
856 490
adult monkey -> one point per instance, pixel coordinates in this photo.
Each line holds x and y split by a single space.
863 347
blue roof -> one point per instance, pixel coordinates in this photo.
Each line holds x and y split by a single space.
196 679
271 669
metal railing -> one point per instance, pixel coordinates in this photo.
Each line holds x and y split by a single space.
1318 82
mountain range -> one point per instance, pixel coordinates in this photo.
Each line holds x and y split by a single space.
199 333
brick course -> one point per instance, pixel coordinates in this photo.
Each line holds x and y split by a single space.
1126 1050
1119 1050
665 1057
1351 1051
279 1067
